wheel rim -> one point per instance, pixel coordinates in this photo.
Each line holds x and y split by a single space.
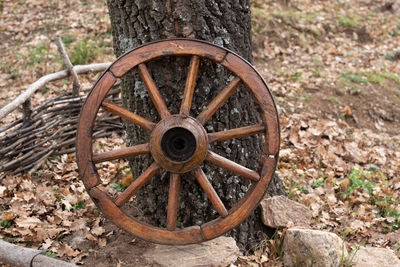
171 141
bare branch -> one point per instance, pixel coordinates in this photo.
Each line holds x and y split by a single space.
79 69
26 257
76 86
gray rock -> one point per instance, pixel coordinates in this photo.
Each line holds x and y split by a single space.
221 251
375 257
279 211
306 247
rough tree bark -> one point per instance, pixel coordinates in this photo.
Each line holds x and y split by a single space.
226 23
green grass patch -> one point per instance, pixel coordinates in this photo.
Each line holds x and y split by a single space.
347 261
68 38
333 100
318 183
48 253
296 76
387 210
55 158
36 55
316 73
354 77
5 223
295 188
375 78
84 51
358 180
348 21
392 76
120 187
366 180
391 55
349 79
396 32
306 97
380 78
79 206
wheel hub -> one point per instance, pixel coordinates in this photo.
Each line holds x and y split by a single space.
179 143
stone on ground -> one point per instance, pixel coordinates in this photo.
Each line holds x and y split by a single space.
306 247
280 211
221 251
375 257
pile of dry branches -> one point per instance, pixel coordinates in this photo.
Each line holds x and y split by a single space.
49 129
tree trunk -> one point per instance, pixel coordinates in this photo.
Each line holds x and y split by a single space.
226 23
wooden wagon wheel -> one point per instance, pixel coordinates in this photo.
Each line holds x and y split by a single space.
179 143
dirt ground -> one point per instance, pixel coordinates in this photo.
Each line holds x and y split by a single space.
323 62
334 70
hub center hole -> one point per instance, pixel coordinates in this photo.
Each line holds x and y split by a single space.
178 144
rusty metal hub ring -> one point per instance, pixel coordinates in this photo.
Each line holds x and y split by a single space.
179 142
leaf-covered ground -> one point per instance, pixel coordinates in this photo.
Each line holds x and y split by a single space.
333 67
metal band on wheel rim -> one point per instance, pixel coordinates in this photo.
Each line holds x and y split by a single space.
176 132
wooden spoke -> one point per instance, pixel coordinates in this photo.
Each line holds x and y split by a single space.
217 102
129 116
173 201
232 166
236 133
153 91
190 84
121 153
137 184
212 195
